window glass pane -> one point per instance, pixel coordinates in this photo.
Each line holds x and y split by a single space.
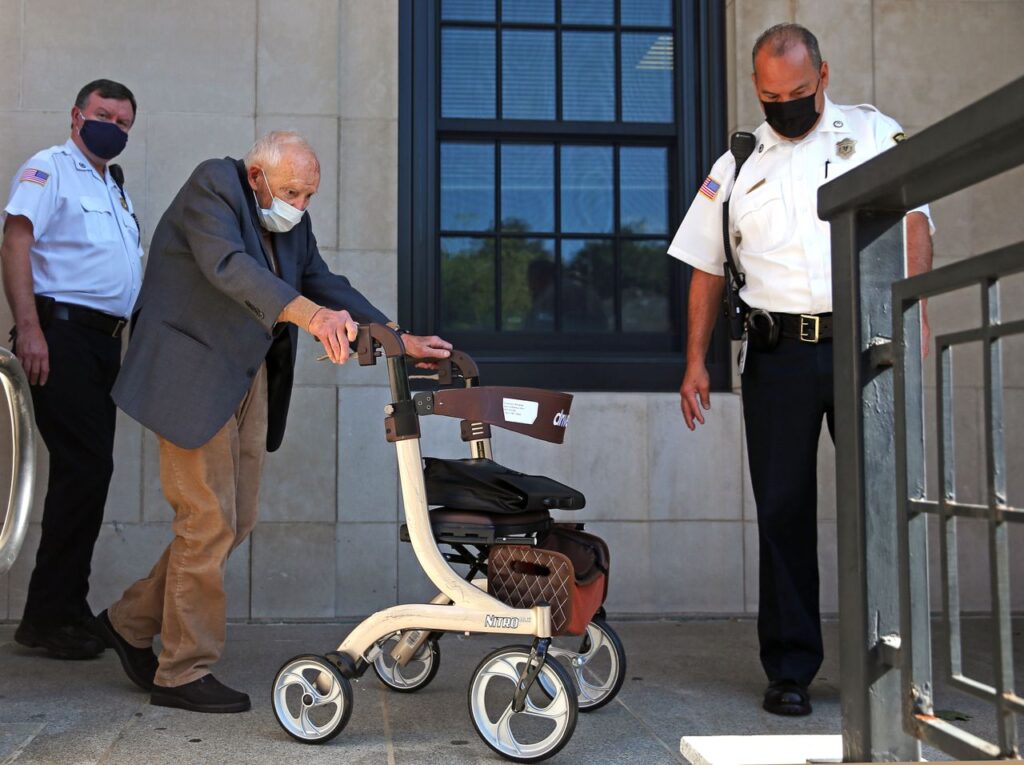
528 75
588 11
527 187
588 285
643 190
647 77
588 76
467 10
647 13
645 286
467 284
467 73
528 10
528 285
586 192
467 186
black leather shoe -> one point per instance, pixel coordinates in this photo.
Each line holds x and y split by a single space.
138 663
207 694
68 641
784 697
92 625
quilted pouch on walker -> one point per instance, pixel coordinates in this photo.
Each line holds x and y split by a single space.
567 570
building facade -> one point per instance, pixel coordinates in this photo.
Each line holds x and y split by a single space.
675 506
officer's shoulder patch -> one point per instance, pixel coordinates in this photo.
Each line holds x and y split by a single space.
34 175
710 188
899 137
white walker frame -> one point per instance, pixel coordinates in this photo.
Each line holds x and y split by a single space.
461 606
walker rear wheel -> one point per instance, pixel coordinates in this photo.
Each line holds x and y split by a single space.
546 723
312 699
417 674
597 662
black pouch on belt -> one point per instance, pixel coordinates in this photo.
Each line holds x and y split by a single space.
763 329
44 307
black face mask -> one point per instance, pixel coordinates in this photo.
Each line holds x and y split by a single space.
791 118
104 139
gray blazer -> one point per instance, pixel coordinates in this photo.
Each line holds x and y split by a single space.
204 320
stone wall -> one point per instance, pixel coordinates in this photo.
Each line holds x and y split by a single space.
676 507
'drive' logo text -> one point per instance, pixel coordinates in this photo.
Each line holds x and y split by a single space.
561 420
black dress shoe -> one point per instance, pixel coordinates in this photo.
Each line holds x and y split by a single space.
67 641
784 697
138 663
91 624
207 694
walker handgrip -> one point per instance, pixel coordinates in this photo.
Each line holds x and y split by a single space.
372 335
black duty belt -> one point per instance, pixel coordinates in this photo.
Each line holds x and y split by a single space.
810 328
91 318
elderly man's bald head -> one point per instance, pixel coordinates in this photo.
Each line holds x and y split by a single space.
272 148
282 164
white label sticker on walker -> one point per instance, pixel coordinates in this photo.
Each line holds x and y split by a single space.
501 622
517 410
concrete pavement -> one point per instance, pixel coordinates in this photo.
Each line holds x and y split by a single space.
684 677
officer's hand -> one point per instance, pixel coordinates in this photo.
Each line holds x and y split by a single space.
34 354
423 347
335 329
696 383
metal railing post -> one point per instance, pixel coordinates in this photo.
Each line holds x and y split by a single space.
23 458
870 245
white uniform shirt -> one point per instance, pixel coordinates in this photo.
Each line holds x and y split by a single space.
87 248
778 240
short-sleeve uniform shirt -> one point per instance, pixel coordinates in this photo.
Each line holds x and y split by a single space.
778 240
87 248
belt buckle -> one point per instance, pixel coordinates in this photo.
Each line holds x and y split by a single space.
809 328
120 325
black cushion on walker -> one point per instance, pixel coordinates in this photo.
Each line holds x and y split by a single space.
485 486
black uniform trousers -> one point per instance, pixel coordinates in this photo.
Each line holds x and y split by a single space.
75 416
786 393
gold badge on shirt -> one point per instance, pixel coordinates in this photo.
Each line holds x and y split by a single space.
846 148
124 203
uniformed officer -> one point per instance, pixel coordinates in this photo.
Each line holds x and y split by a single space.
784 250
72 270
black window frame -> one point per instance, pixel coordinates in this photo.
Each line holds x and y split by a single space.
651 361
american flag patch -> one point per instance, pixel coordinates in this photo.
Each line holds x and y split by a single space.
34 176
710 188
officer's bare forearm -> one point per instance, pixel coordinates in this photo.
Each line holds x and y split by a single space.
705 301
919 244
17 271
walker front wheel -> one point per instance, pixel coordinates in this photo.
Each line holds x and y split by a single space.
312 699
597 662
416 674
546 723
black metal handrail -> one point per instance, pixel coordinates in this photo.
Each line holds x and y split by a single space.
878 539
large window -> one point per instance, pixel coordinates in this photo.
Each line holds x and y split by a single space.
548 151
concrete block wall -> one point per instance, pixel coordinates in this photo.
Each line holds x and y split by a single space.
675 506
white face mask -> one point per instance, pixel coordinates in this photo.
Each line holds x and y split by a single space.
281 217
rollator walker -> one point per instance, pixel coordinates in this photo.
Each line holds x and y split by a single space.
543 579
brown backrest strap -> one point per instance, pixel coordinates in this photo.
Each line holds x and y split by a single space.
534 412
